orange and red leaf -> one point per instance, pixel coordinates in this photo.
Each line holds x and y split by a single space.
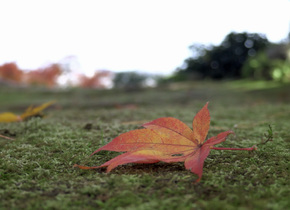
200 124
172 124
169 140
195 161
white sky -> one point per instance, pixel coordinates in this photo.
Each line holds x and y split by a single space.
146 35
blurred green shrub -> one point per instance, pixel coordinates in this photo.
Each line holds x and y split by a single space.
271 64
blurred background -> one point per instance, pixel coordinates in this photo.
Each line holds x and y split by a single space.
134 44
100 68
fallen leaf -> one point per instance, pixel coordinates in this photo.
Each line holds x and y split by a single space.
169 140
30 112
9 117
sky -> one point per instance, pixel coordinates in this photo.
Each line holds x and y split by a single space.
122 35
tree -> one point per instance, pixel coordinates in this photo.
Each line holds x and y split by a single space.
46 76
11 72
129 80
225 60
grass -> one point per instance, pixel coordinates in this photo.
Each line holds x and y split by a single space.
36 169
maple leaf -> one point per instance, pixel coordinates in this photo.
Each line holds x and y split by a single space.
169 140
30 112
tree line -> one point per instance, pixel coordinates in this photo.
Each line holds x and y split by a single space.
240 55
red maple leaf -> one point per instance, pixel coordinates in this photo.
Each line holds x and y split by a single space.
169 140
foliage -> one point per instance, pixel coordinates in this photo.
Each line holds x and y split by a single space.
98 80
272 64
129 80
258 67
169 140
11 72
46 76
225 60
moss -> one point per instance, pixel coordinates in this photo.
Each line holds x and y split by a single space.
36 169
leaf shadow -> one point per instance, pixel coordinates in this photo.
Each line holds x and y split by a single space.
141 168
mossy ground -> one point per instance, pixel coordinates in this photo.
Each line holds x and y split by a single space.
36 169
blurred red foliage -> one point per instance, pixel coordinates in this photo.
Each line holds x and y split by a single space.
47 76
96 81
11 72
44 76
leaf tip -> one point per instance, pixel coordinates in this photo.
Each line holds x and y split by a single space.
197 180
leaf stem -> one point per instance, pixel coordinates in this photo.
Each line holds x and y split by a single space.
6 137
223 148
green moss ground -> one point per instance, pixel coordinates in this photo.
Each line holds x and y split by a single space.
36 169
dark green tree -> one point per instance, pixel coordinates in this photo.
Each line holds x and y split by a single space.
225 60
129 80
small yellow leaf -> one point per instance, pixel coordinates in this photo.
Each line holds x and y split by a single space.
9 117
31 111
